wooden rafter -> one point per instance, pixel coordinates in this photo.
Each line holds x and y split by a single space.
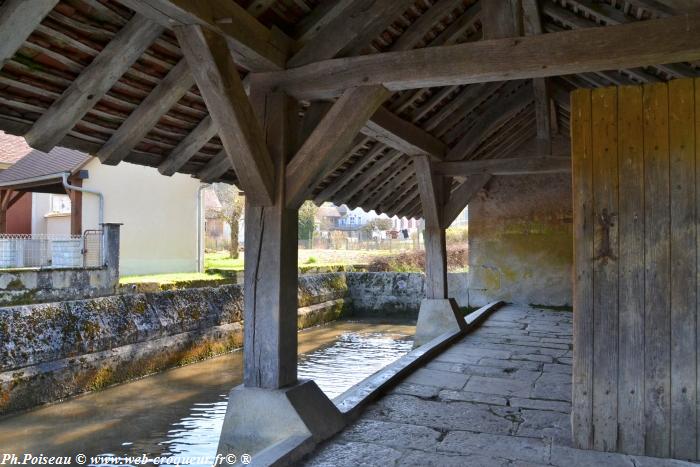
494 116
667 40
355 27
357 184
256 48
217 78
173 87
19 18
188 147
93 83
217 166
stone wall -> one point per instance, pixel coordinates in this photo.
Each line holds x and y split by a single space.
520 241
397 293
40 285
55 350
34 285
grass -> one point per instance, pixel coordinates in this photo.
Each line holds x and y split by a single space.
172 278
222 261
321 258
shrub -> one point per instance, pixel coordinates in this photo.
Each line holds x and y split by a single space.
311 260
457 235
414 261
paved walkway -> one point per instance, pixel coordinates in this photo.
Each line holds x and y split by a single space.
501 396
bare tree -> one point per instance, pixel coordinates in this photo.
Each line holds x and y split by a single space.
231 211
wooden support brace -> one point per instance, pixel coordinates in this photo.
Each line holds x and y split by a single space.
460 197
329 142
218 80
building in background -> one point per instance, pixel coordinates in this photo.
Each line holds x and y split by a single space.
159 214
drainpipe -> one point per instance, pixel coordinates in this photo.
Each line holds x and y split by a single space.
200 226
100 196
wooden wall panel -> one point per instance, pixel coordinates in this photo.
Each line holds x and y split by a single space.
631 271
636 281
605 264
681 107
657 336
582 185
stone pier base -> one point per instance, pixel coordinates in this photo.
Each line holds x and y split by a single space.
259 419
436 317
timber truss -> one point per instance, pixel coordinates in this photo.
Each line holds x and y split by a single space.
402 106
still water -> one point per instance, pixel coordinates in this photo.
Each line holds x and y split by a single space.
181 411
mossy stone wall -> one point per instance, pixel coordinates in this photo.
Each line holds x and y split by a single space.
521 242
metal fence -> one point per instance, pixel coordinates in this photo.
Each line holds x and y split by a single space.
342 243
51 251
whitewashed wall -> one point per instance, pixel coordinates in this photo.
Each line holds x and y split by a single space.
159 214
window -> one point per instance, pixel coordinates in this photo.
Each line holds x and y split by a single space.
60 203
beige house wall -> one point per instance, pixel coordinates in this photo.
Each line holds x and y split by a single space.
159 214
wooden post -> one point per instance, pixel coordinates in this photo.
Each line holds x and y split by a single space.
431 187
271 263
76 208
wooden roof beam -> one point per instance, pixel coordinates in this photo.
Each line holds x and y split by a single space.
254 46
501 167
93 83
395 132
667 40
217 78
18 19
330 141
142 120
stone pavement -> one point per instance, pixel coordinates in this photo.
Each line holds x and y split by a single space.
501 396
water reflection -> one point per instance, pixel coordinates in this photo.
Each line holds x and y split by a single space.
180 412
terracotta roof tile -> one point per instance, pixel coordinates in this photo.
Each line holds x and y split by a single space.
12 148
37 163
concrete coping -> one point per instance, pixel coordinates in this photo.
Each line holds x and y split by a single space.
352 402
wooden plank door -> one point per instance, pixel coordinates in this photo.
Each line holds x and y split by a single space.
635 176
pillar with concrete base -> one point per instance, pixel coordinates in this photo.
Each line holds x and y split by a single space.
438 314
272 407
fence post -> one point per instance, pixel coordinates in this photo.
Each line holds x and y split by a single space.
110 251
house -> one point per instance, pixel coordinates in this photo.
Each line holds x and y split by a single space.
159 214
341 218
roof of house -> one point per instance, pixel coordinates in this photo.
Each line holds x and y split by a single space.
12 148
211 201
329 211
34 164
471 116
